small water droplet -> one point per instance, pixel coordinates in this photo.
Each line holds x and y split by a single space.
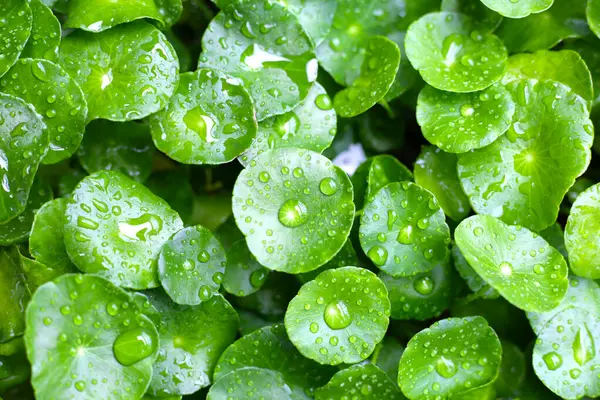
423 285
328 186
552 360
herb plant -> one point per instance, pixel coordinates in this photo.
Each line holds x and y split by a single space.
299 199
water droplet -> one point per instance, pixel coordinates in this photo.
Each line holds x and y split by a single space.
65 310
264 177
298 172
405 236
141 228
539 269
445 367
258 277
203 256
47 321
133 346
366 389
112 309
218 278
467 110
552 360
423 285
575 372
323 101
337 315
328 186
293 213
451 47
205 293
506 268
39 71
314 327
478 231
584 348
198 121
378 255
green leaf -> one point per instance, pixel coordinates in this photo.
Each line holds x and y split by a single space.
243 274
581 242
17 229
250 322
375 173
470 276
295 209
565 66
191 265
592 14
127 72
123 147
565 356
315 16
14 370
23 145
270 348
264 45
14 31
516 262
85 328
513 369
361 382
588 50
327 320
378 71
461 122
16 295
170 11
519 8
209 120
421 296
45 33
191 340
56 97
36 273
555 237
565 19
435 171
251 384
387 356
523 176
311 125
486 392
100 15
452 356
403 230
115 227
584 293
175 188
452 55
346 256
486 19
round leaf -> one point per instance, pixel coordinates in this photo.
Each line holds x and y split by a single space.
362 382
169 10
582 243
436 172
295 209
263 44
311 125
518 263
346 256
315 16
191 265
270 348
468 274
523 176
566 355
209 120
382 58
243 274
339 317
45 33
250 384
588 51
56 97
461 122
127 72
403 230
191 340
123 147
421 296
486 19
85 337
115 227
23 144
519 8
16 295
15 28
452 356
452 55
100 15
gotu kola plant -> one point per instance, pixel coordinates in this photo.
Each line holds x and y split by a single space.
299 199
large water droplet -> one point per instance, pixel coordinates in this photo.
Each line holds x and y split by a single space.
198 121
337 315
39 71
378 255
293 213
445 367
405 236
423 285
323 101
133 346
141 228
505 268
452 46
328 186
583 346
552 360
258 277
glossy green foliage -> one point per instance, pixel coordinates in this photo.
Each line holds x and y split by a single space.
129 72
461 122
56 97
17 295
519 8
288 201
486 19
209 120
123 147
175 188
362 382
387 356
263 44
23 145
522 266
14 30
115 227
452 356
343 311
251 384
77 320
270 348
583 246
346 256
311 125
435 171
475 283
403 230
453 55
100 15
186 359
45 33
191 265
377 74
512 372
523 176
